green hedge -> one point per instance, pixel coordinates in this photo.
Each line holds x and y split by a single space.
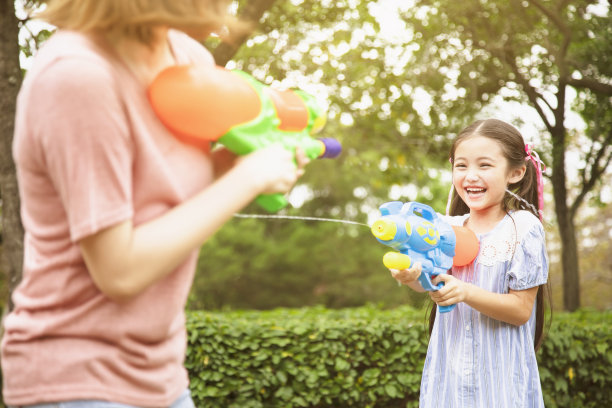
576 360
366 357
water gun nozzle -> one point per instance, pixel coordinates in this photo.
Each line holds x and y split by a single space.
331 148
384 230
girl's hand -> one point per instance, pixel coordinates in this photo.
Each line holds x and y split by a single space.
273 169
407 276
453 291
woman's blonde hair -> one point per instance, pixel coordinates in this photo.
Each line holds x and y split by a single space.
137 18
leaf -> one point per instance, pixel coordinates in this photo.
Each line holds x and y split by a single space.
341 364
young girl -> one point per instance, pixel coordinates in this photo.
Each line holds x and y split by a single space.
115 208
482 353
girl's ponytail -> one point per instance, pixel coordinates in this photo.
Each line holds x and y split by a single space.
529 190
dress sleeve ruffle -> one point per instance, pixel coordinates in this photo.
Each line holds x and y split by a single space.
529 265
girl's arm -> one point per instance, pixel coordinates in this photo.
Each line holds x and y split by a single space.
124 260
515 307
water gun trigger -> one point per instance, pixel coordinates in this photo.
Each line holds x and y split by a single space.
397 260
439 285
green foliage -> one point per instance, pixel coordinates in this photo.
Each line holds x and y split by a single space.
337 47
406 95
263 264
366 357
306 357
576 361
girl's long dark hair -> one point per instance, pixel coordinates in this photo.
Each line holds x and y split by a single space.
513 148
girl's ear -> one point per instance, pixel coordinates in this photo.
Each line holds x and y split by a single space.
517 174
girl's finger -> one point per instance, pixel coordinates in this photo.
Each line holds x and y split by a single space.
435 296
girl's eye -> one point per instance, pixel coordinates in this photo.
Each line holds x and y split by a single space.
485 165
459 166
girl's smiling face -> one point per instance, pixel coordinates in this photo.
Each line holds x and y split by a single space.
481 174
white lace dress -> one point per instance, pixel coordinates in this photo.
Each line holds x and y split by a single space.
476 361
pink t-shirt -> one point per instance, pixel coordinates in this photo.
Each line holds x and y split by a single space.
90 153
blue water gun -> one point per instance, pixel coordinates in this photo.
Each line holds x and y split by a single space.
418 234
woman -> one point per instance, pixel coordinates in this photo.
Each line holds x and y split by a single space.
115 208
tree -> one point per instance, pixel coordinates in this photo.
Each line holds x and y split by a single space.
463 56
305 45
596 258
250 13
10 81
340 50
534 51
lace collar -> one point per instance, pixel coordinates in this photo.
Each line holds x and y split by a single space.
499 244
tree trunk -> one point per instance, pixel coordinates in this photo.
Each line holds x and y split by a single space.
10 81
567 233
571 276
250 14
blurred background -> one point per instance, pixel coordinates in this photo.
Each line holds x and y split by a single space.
399 79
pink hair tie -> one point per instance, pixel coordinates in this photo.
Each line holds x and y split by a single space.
540 167
450 192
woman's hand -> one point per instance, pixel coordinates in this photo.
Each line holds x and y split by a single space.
273 169
453 291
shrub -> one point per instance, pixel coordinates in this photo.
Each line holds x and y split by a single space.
575 361
365 357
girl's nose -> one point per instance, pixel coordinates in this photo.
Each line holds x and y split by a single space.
471 175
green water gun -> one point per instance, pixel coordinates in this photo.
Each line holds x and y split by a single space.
200 105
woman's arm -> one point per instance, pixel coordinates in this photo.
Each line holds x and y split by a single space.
124 260
515 307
